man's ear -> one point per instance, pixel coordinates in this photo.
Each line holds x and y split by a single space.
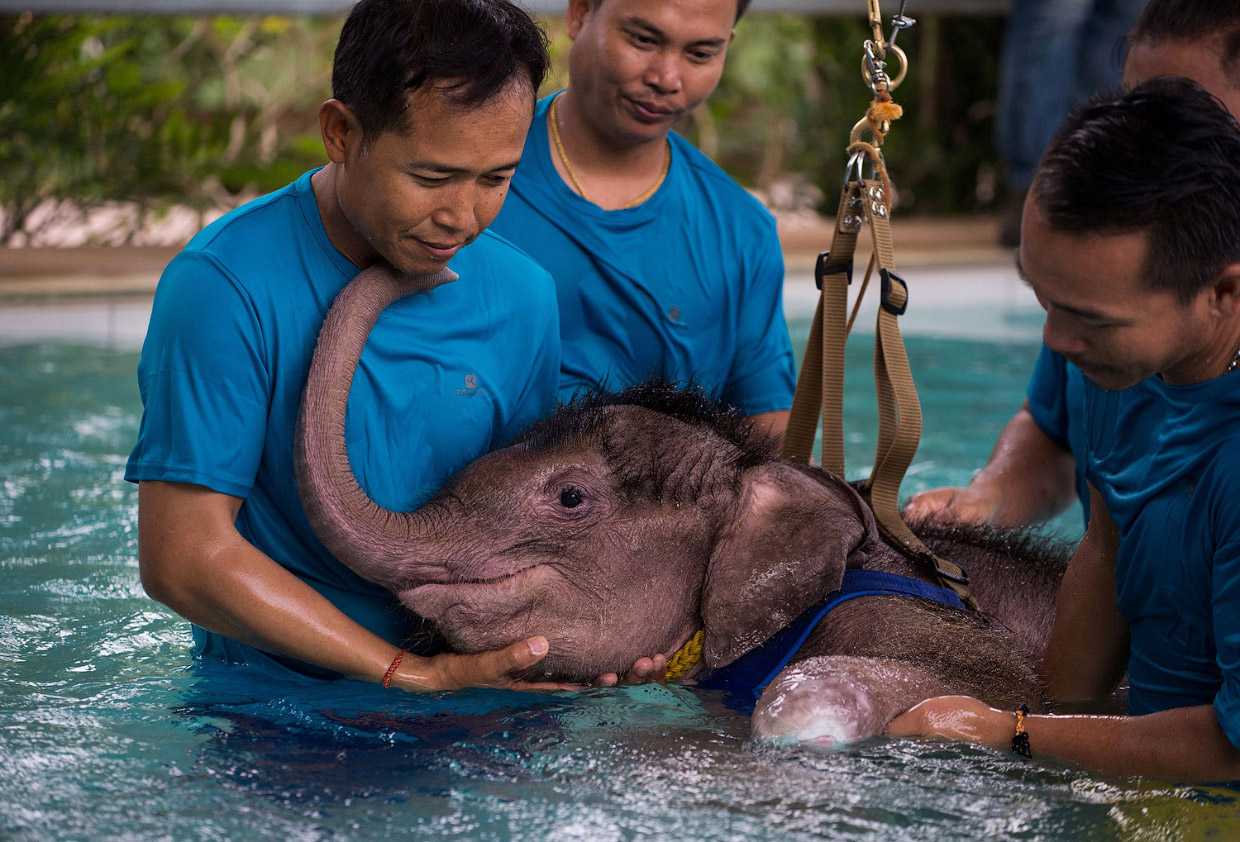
783 548
1225 291
575 16
342 133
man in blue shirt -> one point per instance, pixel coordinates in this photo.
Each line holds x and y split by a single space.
1033 472
1131 241
430 111
663 265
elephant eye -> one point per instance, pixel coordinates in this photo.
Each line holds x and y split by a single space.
571 498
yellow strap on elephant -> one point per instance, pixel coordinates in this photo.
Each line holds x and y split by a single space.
686 658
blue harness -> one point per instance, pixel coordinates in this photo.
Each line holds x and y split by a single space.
752 672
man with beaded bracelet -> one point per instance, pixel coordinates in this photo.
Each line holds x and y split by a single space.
1131 241
663 265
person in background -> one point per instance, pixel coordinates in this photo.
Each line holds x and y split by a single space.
1032 474
431 104
1131 242
663 265
1056 54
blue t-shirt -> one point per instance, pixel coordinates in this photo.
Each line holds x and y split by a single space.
1056 395
446 376
687 285
1166 460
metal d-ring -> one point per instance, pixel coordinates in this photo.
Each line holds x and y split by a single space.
880 68
856 162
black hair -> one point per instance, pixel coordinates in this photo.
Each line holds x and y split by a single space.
473 48
741 6
1162 158
1194 20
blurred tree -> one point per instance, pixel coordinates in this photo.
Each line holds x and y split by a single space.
155 111
204 112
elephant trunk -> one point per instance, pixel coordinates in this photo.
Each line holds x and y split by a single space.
366 537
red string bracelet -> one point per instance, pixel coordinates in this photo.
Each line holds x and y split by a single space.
387 677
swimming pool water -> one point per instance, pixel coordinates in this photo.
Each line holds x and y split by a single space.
108 731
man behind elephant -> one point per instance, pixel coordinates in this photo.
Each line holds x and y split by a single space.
1032 474
663 265
432 101
1131 241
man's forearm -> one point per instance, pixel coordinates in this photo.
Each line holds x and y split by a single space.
1027 479
1088 647
226 585
1028 476
1183 744
773 424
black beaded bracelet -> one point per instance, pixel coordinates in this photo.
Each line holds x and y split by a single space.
1020 740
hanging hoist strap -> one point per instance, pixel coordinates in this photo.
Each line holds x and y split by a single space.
899 410
820 386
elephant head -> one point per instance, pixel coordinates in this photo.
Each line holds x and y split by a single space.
617 527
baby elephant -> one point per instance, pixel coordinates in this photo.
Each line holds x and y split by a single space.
627 523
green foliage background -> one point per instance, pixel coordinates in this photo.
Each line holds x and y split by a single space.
203 112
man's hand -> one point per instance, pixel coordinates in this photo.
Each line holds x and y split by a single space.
966 505
450 671
956 718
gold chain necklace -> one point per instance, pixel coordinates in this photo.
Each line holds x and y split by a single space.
554 123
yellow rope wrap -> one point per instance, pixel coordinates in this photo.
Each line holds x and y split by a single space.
686 657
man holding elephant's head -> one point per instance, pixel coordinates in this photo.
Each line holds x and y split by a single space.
432 101
1131 241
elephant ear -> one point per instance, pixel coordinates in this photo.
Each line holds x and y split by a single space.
782 548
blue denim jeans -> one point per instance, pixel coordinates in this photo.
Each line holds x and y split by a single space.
1056 54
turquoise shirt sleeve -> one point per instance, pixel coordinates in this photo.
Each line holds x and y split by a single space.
1056 404
763 375
1047 395
204 382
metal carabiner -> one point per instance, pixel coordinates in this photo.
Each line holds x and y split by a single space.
874 63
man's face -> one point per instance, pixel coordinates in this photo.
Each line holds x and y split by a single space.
418 194
638 66
1196 60
1100 313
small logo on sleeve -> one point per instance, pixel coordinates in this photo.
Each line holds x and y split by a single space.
471 386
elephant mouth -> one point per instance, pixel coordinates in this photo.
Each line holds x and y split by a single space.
493 597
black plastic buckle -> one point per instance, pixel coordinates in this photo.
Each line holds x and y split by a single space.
887 277
821 270
962 579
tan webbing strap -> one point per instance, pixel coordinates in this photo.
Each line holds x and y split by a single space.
899 410
820 385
